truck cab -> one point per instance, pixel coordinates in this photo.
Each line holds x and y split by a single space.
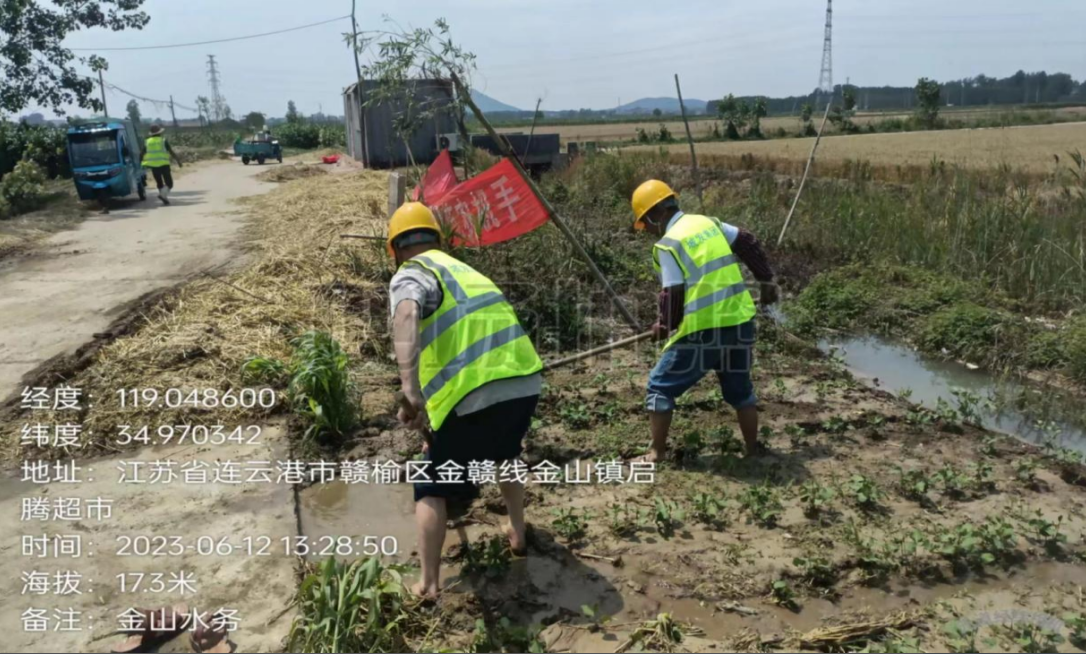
104 156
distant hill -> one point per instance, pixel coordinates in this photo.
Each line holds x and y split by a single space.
666 105
489 105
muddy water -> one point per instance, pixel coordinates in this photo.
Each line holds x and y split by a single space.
1020 409
360 510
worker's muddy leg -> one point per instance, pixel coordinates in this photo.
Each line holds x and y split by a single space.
659 426
513 494
748 425
430 515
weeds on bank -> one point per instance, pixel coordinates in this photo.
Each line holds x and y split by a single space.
667 516
626 518
318 383
571 524
762 504
781 594
504 636
488 556
709 510
864 492
815 498
351 607
659 635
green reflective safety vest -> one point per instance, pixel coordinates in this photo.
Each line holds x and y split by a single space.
715 293
156 155
472 339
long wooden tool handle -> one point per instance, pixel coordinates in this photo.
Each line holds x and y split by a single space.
364 236
599 350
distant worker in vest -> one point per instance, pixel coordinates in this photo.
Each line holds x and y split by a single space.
156 156
470 378
706 312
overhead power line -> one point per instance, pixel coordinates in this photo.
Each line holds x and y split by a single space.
114 87
235 38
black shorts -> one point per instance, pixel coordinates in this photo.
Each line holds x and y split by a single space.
495 434
163 176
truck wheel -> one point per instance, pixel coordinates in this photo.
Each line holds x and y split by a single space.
260 159
280 157
141 190
245 160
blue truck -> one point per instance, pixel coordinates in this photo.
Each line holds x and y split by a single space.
104 154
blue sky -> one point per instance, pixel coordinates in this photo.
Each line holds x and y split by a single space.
594 53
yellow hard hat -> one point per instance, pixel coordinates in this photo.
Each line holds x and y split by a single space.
647 196
409 217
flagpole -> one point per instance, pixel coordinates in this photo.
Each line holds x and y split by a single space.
507 150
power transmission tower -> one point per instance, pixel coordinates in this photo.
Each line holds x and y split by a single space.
218 102
825 80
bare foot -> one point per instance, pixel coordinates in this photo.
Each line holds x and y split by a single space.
757 449
652 457
425 593
518 543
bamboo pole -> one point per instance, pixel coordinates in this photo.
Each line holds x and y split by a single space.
507 150
690 139
364 236
806 171
597 351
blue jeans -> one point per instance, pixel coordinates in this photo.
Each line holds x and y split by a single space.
726 351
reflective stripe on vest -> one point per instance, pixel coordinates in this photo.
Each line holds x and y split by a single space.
156 155
715 293
473 338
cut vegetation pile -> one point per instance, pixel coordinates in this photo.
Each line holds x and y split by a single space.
297 277
285 173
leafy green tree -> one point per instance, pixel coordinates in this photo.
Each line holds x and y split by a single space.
757 112
841 116
806 112
927 102
133 111
735 113
38 68
657 113
255 120
292 113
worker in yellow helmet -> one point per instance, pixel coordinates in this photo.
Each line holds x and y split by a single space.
706 311
469 374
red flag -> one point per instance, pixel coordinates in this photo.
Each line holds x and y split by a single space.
494 206
440 178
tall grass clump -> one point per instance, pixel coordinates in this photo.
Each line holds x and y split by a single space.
351 607
993 227
319 386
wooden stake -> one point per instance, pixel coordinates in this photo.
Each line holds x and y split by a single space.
806 171
507 150
597 351
690 139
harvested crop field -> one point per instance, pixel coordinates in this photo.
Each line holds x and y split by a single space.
702 127
1030 148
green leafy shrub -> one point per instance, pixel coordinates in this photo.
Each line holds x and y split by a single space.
319 387
350 607
23 189
1075 344
964 330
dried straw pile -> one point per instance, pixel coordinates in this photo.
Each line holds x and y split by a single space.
306 278
284 173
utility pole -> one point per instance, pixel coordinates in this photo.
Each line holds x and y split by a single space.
173 113
217 101
102 85
825 79
690 139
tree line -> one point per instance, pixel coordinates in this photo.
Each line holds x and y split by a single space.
982 90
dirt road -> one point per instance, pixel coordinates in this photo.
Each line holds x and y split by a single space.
58 297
